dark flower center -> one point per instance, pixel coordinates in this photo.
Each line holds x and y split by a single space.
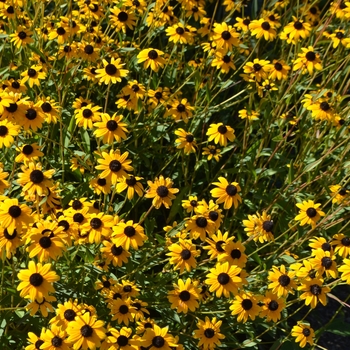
247 304
8 236
226 59
326 262
116 251
265 25
88 49
15 84
12 108
38 343
3 130
278 66
339 35
31 72
268 225
311 212
257 67
131 181
36 176
31 114
10 10
115 166
306 332
222 129
219 247
56 341
201 222
69 315
180 30
152 54
122 340
326 247
22 35
209 333
129 231
181 108
46 107
86 331
273 305
185 254
67 49
45 242
36 279
231 190
78 217
162 191
189 138
284 280
324 106
96 223
101 182
61 31
65 224
123 16
77 205
342 192
226 35
345 241
148 325
117 296
315 289
15 211
246 22
298 25
213 215
223 278
313 10
87 113
123 309
185 295
136 3
158 341
158 95
235 254
110 69
310 56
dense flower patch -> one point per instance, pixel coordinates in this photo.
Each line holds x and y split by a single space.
174 174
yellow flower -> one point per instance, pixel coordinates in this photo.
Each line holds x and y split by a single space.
226 193
303 334
309 213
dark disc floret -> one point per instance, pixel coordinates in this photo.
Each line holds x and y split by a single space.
31 72
127 288
31 114
213 215
64 224
115 166
226 35
201 222
278 66
123 16
298 25
257 67
310 56
326 247
131 181
218 246
181 108
315 289
268 225
185 254
45 242
325 106
306 332
246 22
61 31
273 305
8 236
152 54
185 295
162 191
231 190
22 35
15 211
112 125
36 279
38 343
86 331
235 254
3 130
326 262
116 251
78 217
189 138
101 182
209 333
46 107
265 25
247 304
284 280
223 278
222 129
111 69
56 341
180 31
89 49
36 176
122 340
69 315
95 223
311 212
129 231
87 113
158 341
345 241
123 309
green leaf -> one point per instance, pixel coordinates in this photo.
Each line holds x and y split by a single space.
288 259
339 327
312 165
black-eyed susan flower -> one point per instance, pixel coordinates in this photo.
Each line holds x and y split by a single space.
100 185
112 72
263 28
161 191
220 133
158 338
212 152
242 23
180 110
142 325
282 281
33 75
158 96
251 115
324 262
44 306
7 132
185 141
216 243
35 341
303 334
9 242
211 211
51 109
87 115
184 297
34 180
22 37
122 18
223 61
86 332
126 234
14 215
307 61
28 152
182 255
314 291
36 281
339 193
33 117
118 339
132 184
190 204
224 279
97 226
61 33
341 245
208 333
258 69
225 36
272 307
66 312
345 270
260 227
309 213
114 166
3 182
151 58
199 226
245 306
279 70
55 338
296 30
177 33
226 193
122 310
233 253
320 243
